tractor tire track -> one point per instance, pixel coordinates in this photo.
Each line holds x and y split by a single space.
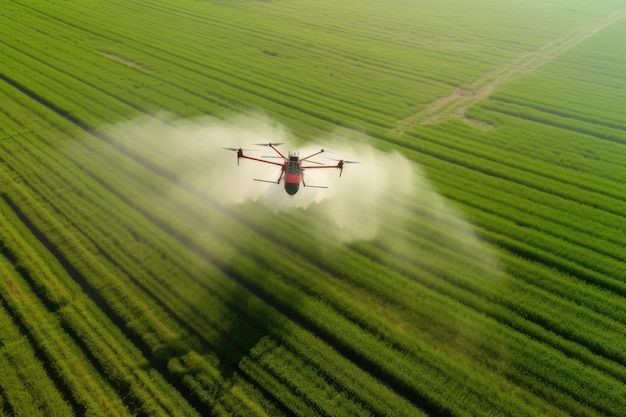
457 103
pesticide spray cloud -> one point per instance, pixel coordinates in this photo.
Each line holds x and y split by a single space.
385 199
355 206
193 149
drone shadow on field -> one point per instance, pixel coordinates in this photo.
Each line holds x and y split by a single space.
249 323
247 332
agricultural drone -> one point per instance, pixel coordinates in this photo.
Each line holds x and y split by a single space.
292 167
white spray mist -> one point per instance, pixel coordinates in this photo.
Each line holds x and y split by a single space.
385 198
193 149
355 205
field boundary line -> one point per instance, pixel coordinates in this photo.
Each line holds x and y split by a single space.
456 103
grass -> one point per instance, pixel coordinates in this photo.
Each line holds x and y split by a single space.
117 299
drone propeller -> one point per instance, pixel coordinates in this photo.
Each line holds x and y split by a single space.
314 162
272 156
237 149
331 151
239 152
269 144
343 161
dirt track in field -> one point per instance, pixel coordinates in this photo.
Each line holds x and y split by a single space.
456 103
123 60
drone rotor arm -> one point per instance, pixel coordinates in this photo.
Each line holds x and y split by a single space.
338 166
277 151
312 155
260 160
273 146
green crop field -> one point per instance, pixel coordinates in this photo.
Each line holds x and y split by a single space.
492 284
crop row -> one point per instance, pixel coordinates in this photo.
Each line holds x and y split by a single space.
117 255
468 274
603 161
594 87
544 234
250 33
205 313
144 329
104 344
594 298
558 221
500 170
599 246
527 191
421 260
472 145
601 123
399 29
159 337
25 388
527 113
67 362
244 83
584 87
205 86
124 264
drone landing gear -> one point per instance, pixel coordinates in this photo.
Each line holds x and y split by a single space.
311 186
280 177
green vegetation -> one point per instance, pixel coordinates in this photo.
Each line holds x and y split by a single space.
117 299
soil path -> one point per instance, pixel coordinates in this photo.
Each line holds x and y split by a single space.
456 103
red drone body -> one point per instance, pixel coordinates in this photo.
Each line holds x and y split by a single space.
292 167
